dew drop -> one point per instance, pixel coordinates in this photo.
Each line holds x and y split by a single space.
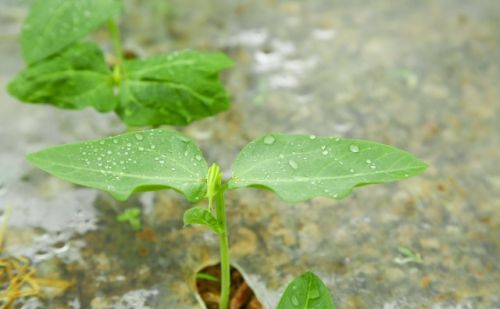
173 168
368 161
295 300
373 167
351 170
101 142
198 157
312 137
293 164
325 152
323 147
282 156
269 140
162 162
139 137
353 148
141 148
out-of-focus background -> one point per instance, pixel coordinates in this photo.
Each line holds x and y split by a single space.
420 75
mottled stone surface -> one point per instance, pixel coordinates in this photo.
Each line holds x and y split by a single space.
420 75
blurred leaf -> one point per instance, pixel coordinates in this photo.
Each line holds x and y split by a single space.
174 89
52 25
74 79
300 167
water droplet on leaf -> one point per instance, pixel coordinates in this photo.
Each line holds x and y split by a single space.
353 148
139 137
293 164
269 140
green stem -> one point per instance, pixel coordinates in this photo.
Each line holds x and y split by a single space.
116 40
224 251
118 50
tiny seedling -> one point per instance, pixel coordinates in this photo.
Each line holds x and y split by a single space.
410 256
132 216
174 89
296 167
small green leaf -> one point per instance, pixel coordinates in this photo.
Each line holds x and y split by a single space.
52 25
208 277
306 292
300 167
132 216
136 161
174 89
76 78
198 215
409 256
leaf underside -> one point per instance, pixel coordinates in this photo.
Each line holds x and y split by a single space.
52 25
300 167
76 78
306 292
198 215
135 161
175 89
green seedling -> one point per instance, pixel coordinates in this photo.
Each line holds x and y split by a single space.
410 256
132 216
175 89
295 167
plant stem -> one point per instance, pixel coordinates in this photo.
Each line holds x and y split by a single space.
224 251
118 50
116 40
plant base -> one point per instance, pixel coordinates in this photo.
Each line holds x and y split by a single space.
241 296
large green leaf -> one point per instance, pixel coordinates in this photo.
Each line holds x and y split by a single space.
174 89
76 78
135 161
306 292
53 25
299 167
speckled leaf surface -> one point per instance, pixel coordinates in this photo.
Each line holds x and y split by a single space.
306 292
76 78
198 215
53 25
174 89
300 167
135 161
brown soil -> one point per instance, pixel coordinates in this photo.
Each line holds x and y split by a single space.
242 296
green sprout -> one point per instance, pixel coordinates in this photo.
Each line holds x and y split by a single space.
410 256
295 167
132 216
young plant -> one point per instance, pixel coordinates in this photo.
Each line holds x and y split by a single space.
132 216
174 89
296 167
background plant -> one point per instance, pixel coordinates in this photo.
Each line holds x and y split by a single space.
175 89
296 167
